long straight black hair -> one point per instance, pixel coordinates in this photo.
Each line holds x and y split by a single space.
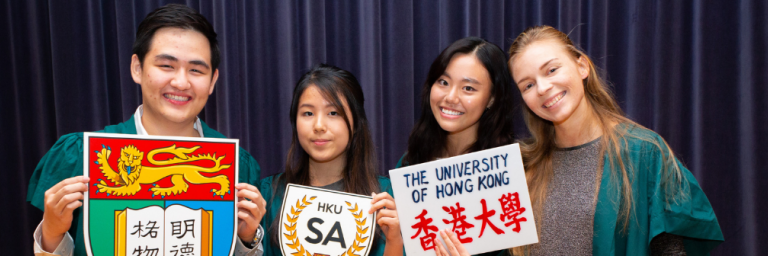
360 173
428 140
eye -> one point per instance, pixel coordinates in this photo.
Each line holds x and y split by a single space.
333 113
528 86
135 157
307 113
468 88
442 82
196 71
551 70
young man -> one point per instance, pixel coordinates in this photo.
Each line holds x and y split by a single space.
175 60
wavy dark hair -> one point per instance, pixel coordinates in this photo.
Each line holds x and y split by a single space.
360 172
428 140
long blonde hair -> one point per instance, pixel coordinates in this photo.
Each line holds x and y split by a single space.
537 150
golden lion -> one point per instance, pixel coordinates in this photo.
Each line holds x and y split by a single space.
131 174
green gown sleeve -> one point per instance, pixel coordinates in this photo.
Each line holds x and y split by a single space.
400 162
249 170
690 217
64 160
274 200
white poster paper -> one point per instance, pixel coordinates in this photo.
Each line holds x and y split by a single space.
481 196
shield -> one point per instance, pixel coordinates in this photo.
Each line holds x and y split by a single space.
321 222
159 195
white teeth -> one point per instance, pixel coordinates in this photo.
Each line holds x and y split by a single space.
451 112
176 97
555 100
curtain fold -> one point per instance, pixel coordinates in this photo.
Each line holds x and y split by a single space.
694 71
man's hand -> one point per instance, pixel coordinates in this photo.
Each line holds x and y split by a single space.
60 201
251 207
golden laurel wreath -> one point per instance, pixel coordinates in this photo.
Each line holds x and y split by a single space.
360 231
294 216
300 205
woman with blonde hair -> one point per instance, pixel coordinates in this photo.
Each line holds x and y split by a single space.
600 183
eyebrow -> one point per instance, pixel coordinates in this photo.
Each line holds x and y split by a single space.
465 79
164 56
546 63
313 106
470 80
540 68
199 63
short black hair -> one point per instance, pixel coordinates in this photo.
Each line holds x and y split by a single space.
178 16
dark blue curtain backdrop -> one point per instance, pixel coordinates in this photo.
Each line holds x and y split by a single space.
694 71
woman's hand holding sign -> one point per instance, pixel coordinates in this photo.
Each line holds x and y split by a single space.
388 221
251 207
452 242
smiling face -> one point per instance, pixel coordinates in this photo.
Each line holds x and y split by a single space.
176 76
550 80
459 97
321 129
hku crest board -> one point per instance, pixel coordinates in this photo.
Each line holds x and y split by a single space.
160 195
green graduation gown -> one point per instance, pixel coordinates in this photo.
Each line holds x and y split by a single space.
65 160
274 202
693 219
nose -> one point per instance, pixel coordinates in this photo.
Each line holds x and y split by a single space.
319 125
542 86
180 80
453 95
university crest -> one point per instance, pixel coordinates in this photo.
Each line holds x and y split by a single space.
156 196
320 222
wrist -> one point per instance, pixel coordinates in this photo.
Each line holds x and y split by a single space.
250 242
50 240
396 241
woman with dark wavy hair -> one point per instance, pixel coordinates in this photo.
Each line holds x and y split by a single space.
466 103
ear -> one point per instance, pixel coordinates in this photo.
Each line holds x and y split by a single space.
490 103
583 67
136 69
214 78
